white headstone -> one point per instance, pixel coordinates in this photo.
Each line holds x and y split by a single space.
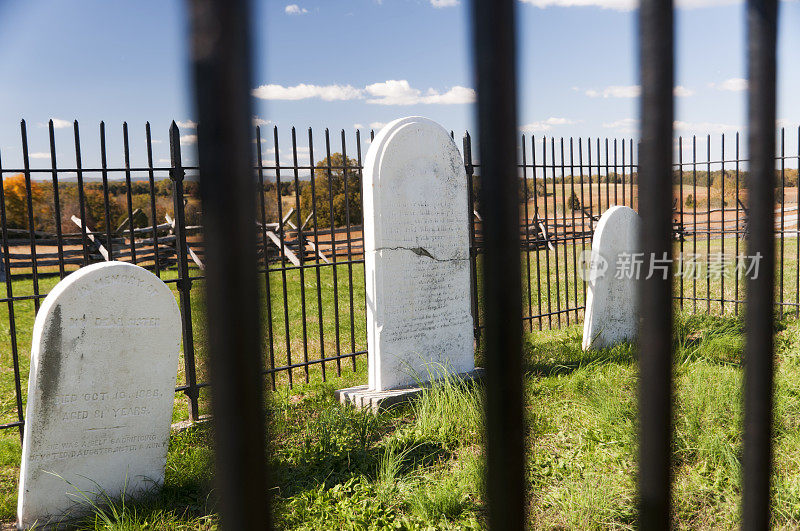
104 359
612 315
416 250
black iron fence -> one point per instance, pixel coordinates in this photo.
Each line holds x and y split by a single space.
309 239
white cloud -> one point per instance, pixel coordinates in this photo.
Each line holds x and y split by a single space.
545 125
456 95
627 5
632 91
260 121
187 124
61 124
40 154
788 124
164 161
358 126
294 9
616 91
400 92
390 92
444 3
188 139
734 84
704 127
304 91
377 125
625 125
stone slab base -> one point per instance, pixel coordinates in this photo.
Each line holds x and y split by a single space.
361 397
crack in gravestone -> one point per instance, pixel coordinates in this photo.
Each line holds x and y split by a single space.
419 251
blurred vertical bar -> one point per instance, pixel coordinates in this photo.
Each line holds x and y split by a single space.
762 18
494 54
656 34
221 57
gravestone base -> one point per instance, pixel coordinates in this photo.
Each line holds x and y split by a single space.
362 397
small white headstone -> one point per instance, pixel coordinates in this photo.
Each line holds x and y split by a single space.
416 249
611 315
104 359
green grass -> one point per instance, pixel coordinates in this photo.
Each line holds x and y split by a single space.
421 466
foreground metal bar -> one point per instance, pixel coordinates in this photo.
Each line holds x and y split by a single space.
221 56
656 35
494 52
759 316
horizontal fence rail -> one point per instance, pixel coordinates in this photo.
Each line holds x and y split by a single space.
309 240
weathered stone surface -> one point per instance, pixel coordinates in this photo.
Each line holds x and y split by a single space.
104 359
416 248
612 315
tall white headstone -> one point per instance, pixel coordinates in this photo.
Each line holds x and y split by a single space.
416 250
612 316
104 359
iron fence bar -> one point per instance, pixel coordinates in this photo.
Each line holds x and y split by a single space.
221 56
736 279
56 201
349 248
694 212
538 229
722 213
623 171
527 229
473 252
333 252
494 54
656 35
608 192
316 254
29 210
12 321
796 232
708 220
616 200
282 239
564 222
759 320
361 180
555 226
544 233
152 183
264 243
127 155
572 211
81 192
104 175
583 205
301 244
681 200
783 216
600 182
184 284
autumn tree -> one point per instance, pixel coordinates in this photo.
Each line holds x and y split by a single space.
331 190
16 199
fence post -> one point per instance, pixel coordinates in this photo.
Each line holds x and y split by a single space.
176 174
473 274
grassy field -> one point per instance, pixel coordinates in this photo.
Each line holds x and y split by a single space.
332 464
420 467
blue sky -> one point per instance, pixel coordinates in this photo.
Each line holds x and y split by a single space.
360 63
